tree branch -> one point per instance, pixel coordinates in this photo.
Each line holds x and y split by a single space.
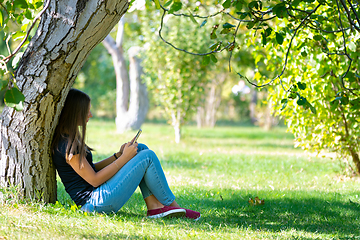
352 24
1 4
355 13
183 50
234 41
196 16
288 50
345 49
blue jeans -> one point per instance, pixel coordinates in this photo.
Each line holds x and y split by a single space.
143 170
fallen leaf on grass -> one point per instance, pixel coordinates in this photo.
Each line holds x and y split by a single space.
256 201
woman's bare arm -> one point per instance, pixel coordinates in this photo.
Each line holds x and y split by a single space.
97 178
100 165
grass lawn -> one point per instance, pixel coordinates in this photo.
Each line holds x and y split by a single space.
214 171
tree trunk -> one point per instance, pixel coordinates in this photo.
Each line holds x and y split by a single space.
67 32
129 114
139 102
252 106
206 114
116 51
176 123
356 160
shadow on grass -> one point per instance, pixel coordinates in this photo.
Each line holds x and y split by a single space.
312 212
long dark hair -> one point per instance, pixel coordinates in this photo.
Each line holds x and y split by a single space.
73 121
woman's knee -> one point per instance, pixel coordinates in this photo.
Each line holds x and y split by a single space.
141 147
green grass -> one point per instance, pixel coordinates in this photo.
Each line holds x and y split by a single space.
214 171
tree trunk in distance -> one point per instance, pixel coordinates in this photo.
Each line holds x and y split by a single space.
206 114
176 122
67 32
129 114
116 51
139 101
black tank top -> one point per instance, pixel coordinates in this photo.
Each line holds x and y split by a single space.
78 189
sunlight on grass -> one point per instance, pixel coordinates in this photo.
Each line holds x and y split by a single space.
214 171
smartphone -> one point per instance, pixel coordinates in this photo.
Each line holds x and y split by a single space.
136 137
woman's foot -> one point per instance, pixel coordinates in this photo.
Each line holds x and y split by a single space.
167 211
192 214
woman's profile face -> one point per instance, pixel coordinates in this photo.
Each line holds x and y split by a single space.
89 114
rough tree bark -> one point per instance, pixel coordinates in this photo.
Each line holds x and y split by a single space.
129 114
67 32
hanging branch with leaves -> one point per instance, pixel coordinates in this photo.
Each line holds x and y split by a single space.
308 15
18 12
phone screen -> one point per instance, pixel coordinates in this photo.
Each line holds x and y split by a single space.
136 137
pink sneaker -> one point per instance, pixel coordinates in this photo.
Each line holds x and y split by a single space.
192 214
166 211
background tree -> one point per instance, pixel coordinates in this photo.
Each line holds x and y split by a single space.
176 78
318 94
129 114
309 40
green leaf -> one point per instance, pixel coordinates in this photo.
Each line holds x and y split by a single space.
344 100
215 46
253 4
38 4
157 4
301 45
1 18
22 4
280 10
284 102
268 31
243 15
227 4
28 14
16 59
203 23
301 86
317 37
176 6
192 18
334 104
304 53
213 35
206 60
239 5
213 58
14 98
295 3
4 84
250 25
312 108
18 35
301 101
167 3
228 25
225 30
263 38
292 95
279 38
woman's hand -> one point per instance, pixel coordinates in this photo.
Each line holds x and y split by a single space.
121 149
130 150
